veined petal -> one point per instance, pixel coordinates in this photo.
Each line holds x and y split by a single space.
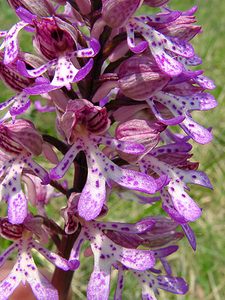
11 42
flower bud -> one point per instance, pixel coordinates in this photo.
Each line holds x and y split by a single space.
40 8
140 131
181 28
10 231
19 136
83 115
140 77
53 38
116 13
12 78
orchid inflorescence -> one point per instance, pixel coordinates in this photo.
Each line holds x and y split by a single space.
118 84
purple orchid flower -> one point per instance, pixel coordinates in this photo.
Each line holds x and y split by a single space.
83 123
108 253
18 142
25 270
56 40
162 47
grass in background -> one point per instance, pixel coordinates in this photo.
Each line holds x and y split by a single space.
204 270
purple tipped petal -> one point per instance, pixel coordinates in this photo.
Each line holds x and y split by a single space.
183 202
196 131
190 235
165 251
167 64
175 285
82 73
7 103
25 15
38 170
40 89
205 82
140 47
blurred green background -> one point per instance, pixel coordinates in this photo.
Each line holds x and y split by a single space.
205 269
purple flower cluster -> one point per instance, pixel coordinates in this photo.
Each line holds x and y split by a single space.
120 86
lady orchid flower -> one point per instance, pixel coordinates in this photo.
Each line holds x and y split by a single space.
113 244
56 41
19 141
83 125
120 14
24 237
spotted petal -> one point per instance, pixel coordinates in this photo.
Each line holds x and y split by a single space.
94 192
11 190
99 285
11 42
